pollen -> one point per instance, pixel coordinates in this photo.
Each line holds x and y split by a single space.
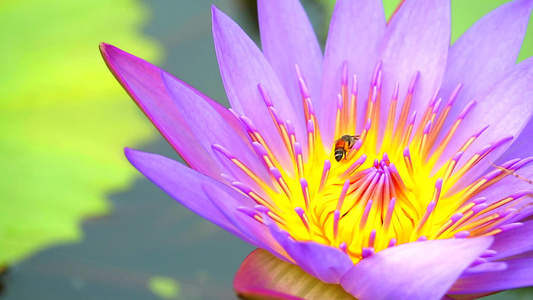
389 187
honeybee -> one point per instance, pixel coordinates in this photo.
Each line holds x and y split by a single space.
343 145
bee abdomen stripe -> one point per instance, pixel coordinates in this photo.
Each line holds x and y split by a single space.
339 153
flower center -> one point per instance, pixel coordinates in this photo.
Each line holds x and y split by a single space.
376 187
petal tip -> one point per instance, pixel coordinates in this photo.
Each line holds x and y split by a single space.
214 12
219 18
131 154
104 51
103 46
107 49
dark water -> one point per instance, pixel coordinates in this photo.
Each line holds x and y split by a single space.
149 234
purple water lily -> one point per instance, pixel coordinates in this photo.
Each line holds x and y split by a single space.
393 165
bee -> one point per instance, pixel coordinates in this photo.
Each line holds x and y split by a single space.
343 145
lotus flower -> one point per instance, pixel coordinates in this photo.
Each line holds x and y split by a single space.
428 195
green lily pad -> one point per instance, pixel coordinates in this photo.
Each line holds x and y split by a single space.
63 118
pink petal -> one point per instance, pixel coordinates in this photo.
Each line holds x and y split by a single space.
143 83
262 276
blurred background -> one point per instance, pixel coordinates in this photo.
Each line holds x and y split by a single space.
76 221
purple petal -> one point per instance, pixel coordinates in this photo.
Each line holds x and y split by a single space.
248 226
513 242
356 29
210 128
485 52
243 67
143 83
468 296
262 276
420 270
185 185
505 107
323 262
417 40
517 274
485 267
521 147
509 186
288 39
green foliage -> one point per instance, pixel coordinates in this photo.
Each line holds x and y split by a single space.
164 287
523 294
63 118
464 14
